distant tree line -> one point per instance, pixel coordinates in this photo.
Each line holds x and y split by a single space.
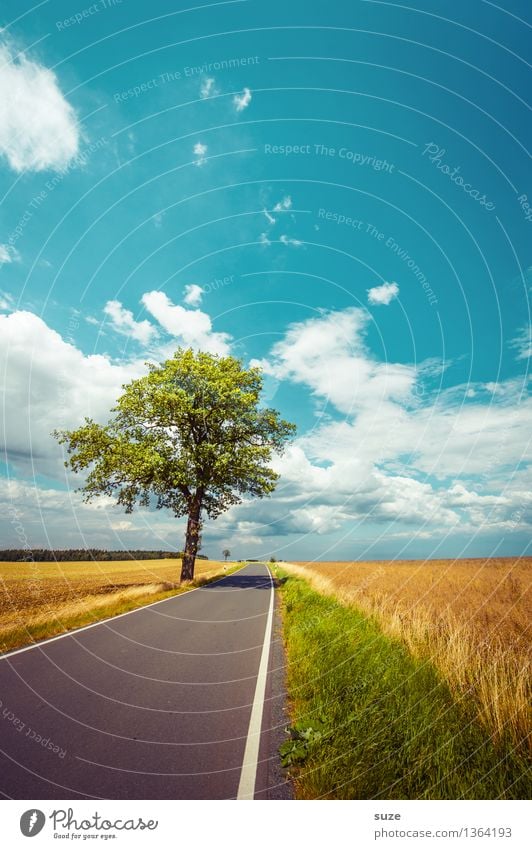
59 555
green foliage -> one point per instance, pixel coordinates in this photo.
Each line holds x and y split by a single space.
303 737
190 433
371 721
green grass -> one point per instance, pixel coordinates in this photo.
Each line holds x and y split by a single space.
370 721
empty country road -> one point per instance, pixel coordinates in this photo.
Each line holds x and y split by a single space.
176 700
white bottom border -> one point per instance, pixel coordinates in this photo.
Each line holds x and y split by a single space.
308 824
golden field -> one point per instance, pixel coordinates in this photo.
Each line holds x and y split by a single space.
470 617
39 600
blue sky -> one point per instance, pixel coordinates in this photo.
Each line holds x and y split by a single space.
338 193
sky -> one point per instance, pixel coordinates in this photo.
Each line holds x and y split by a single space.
338 192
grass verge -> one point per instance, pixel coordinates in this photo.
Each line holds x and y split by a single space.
469 618
90 609
372 721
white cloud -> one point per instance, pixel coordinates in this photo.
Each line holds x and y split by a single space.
200 150
38 127
383 295
193 294
8 254
60 518
247 539
158 219
359 470
328 354
6 301
441 439
443 465
391 457
122 525
286 240
494 387
263 239
283 205
50 384
191 328
123 321
269 218
242 101
523 343
207 88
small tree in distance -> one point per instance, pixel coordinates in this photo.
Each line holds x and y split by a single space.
189 436
226 553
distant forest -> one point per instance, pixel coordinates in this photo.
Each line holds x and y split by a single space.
46 555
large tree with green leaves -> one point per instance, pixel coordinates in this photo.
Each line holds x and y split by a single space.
190 436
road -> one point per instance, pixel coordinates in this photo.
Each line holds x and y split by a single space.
176 700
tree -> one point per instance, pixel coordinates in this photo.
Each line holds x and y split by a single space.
226 553
189 436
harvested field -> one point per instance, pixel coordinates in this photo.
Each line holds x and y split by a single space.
38 600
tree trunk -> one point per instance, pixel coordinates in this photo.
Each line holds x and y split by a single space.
191 540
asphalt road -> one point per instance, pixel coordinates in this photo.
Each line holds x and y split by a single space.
172 701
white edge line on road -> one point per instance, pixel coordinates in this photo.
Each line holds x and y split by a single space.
248 776
75 631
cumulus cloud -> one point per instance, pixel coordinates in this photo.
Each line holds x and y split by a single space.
193 294
191 328
383 295
38 516
270 219
329 355
390 458
373 476
123 321
242 101
49 383
377 457
38 127
207 88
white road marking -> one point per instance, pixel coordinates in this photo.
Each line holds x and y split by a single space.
248 776
74 631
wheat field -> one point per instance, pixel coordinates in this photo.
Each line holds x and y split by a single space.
38 600
470 617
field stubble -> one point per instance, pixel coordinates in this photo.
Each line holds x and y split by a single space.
39 600
470 617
